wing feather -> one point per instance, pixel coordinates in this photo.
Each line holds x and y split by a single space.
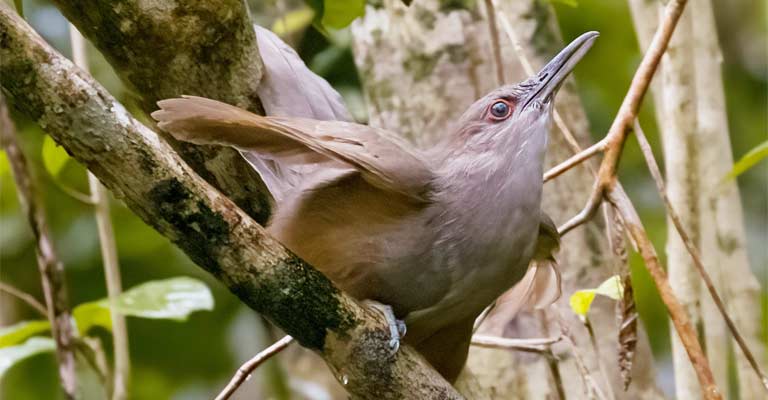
383 159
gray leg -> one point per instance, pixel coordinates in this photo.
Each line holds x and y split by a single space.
397 327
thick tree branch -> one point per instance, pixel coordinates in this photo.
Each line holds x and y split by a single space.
51 269
161 189
166 49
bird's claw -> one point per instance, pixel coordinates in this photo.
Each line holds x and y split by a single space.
397 327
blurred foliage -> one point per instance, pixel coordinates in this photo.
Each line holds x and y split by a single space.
749 160
193 360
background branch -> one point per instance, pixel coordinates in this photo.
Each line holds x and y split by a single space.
51 269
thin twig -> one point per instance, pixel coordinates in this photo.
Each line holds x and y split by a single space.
25 297
590 385
246 369
533 345
574 160
586 214
653 167
493 31
51 269
100 200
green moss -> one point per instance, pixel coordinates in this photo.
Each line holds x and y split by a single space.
451 5
199 231
420 65
299 299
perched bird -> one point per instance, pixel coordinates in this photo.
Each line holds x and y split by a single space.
436 234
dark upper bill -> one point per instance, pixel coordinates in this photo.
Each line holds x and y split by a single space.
554 73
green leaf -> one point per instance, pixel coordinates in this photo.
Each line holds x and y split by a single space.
10 356
612 288
746 162
581 300
294 21
54 156
18 333
338 14
173 299
92 314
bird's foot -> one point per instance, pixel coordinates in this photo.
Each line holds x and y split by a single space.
397 327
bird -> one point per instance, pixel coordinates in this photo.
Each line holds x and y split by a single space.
434 235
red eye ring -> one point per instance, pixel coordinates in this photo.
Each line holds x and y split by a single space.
500 110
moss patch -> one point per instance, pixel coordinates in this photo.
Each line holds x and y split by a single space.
199 230
299 299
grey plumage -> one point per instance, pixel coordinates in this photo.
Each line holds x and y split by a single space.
437 234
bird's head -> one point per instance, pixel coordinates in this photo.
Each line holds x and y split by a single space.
515 118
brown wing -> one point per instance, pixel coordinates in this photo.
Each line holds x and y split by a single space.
383 159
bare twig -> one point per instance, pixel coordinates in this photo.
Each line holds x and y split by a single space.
592 389
51 269
575 160
100 200
493 31
653 166
247 369
532 345
25 297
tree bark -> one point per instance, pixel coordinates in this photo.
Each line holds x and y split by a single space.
440 57
160 188
166 49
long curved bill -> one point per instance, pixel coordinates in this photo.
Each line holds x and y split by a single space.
551 77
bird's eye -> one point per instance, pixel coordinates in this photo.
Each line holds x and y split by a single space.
500 110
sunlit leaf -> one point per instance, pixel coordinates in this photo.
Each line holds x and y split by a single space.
10 356
18 333
91 314
611 288
294 21
340 13
746 162
173 298
54 156
581 300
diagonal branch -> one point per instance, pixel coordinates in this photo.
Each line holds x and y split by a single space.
162 190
